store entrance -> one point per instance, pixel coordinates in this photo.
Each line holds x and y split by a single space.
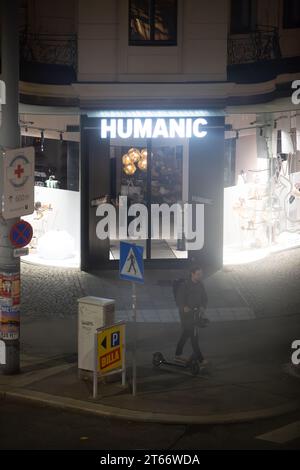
149 172
124 169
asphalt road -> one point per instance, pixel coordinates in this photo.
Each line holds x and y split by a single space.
32 427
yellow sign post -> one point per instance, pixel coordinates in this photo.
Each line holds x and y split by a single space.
109 353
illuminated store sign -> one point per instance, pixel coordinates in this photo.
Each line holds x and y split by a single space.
148 128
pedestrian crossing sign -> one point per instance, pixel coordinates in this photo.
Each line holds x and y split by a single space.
131 262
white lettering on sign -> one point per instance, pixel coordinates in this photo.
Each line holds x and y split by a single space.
149 128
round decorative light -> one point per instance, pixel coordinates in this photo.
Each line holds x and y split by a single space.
144 153
142 164
130 169
126 159
134 154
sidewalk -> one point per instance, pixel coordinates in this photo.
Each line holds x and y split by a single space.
246 381
53 293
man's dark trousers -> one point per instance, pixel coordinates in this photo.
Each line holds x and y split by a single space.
189 332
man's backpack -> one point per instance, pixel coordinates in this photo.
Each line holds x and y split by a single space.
176 285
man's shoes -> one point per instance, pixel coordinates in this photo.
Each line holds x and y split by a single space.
181 359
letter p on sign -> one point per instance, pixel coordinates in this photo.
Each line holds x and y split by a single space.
115 339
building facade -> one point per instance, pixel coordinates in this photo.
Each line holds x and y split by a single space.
89 64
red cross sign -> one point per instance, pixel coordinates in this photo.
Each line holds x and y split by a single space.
19 171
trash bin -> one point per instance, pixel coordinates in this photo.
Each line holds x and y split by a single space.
93 313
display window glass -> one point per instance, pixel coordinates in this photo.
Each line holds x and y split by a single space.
262 203
56 216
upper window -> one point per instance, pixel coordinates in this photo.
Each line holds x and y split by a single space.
242 14
291 14
153 22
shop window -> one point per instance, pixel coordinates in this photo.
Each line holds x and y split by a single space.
153 22
242 16
56 216
56 163
291 14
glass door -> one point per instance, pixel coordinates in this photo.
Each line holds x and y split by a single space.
149 172
128 170
169 181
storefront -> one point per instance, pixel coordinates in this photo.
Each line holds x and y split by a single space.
262 185
152 158
243 168
56 216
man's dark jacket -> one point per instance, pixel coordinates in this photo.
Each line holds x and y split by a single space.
193 295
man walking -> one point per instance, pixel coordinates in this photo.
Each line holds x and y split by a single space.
191 299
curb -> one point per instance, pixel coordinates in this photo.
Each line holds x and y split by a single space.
97 409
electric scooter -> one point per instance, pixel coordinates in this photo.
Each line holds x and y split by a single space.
193 365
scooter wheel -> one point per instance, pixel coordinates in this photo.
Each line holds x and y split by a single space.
158 359
195 369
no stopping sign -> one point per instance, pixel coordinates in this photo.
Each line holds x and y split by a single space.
21 234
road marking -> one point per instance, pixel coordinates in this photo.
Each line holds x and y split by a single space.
283 434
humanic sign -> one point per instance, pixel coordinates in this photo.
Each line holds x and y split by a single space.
153 128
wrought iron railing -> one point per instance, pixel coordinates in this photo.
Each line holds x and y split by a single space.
258 46
60 49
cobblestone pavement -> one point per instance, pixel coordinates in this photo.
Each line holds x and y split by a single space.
50 292
269 287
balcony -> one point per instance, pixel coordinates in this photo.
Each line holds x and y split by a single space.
48 59
256 56
258 46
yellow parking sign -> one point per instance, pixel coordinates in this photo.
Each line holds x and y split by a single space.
110 348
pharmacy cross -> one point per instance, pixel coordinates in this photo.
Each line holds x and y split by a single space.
19 171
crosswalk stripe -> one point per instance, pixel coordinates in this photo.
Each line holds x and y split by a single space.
283 434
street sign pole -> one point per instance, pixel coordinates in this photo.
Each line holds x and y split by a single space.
134 351
95 372
9 138
132 269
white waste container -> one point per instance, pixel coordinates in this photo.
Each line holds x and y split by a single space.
93 313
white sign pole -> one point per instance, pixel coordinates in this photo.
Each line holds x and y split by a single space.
95 371
124 359
134 339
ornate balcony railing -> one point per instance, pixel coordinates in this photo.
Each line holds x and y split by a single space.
58 49
258 46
